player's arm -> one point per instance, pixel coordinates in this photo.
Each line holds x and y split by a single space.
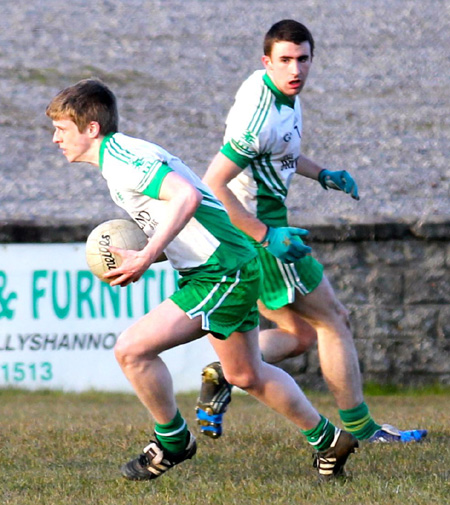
308 168
340 180
220 172
283 242
182 199
160 258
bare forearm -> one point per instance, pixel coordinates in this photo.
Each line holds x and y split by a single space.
220 172
242 219
308 168
179 211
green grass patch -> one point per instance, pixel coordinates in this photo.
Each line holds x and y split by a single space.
374 389
60 448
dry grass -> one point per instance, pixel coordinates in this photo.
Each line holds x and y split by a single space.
66 448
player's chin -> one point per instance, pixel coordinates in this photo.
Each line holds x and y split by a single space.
72 158
293 90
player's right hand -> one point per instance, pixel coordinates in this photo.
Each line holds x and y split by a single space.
285 243
134 264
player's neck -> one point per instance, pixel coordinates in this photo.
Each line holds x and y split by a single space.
92 154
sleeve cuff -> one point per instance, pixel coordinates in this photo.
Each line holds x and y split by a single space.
241 161
152 190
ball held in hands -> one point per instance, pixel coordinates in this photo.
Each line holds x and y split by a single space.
121 233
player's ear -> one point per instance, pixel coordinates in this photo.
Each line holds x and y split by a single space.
266 61
93 129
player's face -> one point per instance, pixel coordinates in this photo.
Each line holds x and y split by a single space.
288 66
74 145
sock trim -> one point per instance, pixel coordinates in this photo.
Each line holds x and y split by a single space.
171 433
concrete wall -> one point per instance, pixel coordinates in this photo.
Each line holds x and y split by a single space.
394 277
395 280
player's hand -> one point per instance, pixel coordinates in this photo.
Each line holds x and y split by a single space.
134 264
340 180
285 243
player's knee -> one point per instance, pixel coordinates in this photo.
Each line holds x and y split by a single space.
122 351
243 379
304 336
335 313
342 314
304 343
125 352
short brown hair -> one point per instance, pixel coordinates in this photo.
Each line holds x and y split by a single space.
88 100
287 30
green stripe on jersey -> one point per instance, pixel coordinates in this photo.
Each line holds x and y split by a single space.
270 203
241 151
117 151
259 117
267 175
102 149
234 249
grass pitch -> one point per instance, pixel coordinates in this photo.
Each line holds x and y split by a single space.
66 449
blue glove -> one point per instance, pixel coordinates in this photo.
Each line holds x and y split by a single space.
340 180
285 244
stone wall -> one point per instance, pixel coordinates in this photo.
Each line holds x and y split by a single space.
395 280
394 277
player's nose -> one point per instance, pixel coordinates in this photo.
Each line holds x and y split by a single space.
295 68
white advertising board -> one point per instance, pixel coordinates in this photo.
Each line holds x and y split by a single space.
59 323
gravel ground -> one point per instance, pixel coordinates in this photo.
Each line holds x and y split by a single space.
376 103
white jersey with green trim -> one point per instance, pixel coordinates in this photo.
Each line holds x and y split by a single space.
134 170
263 137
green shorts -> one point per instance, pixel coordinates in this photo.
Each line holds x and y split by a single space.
281 280
225 304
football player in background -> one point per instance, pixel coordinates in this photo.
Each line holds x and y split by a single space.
251 175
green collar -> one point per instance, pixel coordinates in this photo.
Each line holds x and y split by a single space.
280 98
102 149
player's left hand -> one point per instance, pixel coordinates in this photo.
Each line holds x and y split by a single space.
340 180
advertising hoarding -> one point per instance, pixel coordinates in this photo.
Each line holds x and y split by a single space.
59 323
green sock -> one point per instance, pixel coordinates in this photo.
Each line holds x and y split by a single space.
173 436
359 422
322 435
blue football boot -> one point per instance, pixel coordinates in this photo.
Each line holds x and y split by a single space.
215 396
388 434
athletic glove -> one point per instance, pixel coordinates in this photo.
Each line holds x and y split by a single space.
285 244
340 180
